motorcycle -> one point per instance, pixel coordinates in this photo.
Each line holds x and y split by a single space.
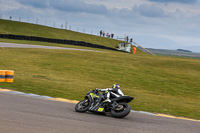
93 102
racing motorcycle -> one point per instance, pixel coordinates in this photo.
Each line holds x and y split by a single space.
94 102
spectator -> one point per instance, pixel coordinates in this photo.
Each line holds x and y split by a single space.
131 40
101 32
112 35
127 39
107 34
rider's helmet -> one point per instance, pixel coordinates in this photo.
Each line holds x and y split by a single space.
115 87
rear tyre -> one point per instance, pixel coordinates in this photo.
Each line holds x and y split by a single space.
121 112
83 106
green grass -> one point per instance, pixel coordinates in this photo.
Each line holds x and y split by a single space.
159 84
19 28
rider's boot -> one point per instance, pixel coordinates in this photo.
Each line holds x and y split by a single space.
107 100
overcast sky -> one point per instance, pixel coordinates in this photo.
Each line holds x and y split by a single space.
169 24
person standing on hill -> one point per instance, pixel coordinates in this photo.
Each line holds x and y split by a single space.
127 39
101 32
107 34
131 40
112 35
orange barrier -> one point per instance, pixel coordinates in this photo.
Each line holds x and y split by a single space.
134 50
6 75
9 76
2 75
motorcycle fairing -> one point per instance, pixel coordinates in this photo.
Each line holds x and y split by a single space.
97 108
122 99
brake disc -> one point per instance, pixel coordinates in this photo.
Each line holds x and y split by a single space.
119 108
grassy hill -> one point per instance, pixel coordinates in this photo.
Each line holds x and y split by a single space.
159 84
20 28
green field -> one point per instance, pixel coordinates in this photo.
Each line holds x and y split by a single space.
159 84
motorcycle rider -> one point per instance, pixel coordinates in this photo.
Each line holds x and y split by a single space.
115 91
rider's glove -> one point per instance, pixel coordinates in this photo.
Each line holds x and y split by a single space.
96 90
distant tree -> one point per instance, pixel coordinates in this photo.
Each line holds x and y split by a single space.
183 50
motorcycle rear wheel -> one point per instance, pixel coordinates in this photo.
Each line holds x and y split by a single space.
82 106
122 112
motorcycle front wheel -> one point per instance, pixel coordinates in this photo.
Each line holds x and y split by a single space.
83 106
122 111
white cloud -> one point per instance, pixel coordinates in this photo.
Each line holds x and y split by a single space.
8 5
150 10
176 1
119 4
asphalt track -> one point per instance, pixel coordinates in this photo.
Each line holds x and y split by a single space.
12 45
24 114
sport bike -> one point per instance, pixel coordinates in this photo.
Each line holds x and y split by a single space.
94 102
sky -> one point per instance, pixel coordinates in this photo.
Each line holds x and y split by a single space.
160 24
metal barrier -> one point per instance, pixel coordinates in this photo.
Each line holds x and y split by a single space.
51 40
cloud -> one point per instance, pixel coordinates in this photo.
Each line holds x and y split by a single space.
34 3
66 5
9 5
78 6
177 1
150 10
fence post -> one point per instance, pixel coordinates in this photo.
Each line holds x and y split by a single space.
66 25
37 21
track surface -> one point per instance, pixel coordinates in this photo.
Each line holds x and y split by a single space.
12 45
22 114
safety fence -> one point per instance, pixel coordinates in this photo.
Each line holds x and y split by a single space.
50 40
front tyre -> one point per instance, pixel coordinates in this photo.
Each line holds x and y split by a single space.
122 111
82 106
